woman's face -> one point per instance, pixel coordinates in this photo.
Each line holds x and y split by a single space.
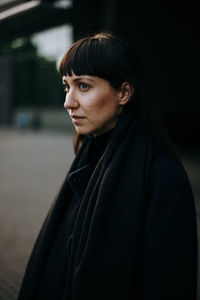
92 103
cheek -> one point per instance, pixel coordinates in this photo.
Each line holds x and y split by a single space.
107 106
94 104
99 104
105 103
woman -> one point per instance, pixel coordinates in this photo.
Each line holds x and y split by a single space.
123 225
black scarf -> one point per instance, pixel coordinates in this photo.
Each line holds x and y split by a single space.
112 236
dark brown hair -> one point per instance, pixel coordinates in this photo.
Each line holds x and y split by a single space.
106 56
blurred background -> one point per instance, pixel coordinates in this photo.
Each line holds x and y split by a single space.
35 131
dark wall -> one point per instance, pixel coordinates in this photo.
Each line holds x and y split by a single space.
166 36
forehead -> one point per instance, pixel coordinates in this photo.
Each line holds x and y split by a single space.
67 78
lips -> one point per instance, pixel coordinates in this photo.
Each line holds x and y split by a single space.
77 120
76 117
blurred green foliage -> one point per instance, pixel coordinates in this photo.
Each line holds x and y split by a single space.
36 81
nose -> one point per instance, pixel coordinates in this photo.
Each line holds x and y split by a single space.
70 101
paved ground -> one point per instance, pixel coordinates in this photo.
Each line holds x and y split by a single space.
32 168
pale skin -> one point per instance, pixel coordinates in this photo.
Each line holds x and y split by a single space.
93 104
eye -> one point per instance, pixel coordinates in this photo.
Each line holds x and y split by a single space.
83 86
66 88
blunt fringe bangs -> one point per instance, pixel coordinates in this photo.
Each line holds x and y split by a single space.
100 55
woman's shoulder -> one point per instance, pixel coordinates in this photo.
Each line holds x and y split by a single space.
167 168
169 180
163 164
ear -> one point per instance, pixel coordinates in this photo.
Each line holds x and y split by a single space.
126 92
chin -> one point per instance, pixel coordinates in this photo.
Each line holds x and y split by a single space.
83 131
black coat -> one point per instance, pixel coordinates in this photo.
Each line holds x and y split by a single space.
134 234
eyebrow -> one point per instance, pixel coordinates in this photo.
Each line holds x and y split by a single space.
78 79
